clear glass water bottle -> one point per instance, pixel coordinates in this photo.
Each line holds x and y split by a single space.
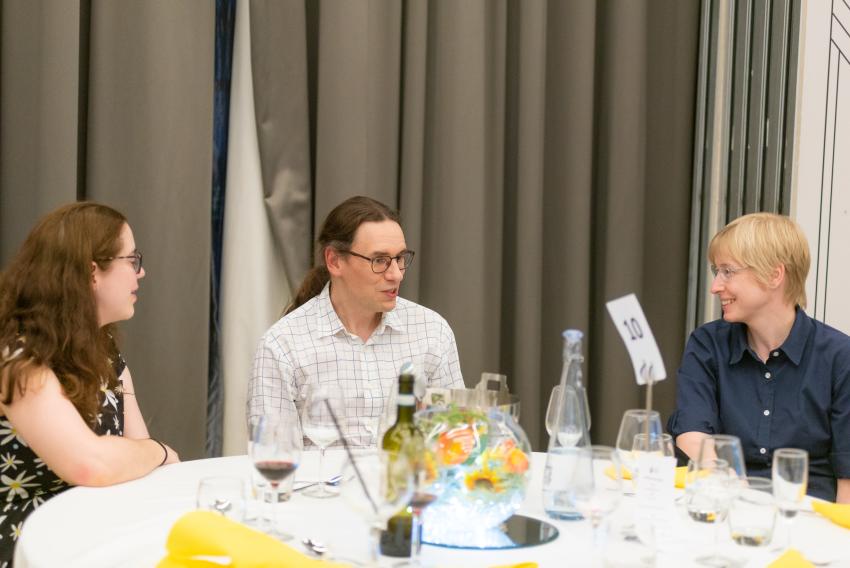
570 432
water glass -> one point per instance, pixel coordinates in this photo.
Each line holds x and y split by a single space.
596 491
753 513
225 495
634 422
790 480
727 448
715 487
376 486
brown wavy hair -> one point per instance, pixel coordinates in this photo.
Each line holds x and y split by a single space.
338 232
47 305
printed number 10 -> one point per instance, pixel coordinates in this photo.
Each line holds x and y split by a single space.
634 328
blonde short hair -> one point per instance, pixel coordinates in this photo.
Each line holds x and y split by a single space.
763 241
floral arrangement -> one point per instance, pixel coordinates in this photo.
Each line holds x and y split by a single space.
478 463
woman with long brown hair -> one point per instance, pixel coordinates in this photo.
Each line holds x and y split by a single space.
68 412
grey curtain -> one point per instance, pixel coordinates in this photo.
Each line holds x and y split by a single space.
112 101
540 153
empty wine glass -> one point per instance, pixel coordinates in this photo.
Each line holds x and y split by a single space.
595 491
634 422
790 480
275 450
727 448
320 427
552 409
377 486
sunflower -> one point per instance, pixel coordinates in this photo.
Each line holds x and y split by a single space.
484 479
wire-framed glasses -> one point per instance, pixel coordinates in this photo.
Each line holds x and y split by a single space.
381 264
726 272
135 259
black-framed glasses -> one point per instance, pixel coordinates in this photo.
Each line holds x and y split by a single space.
381 264
135 259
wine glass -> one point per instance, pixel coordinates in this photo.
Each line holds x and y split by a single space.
595 491
790 480
552 409
275 449
377 485
567 424
727 448
634 422
713 491
320 426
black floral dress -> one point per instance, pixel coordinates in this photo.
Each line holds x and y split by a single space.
26 482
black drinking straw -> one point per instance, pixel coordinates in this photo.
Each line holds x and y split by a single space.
351 457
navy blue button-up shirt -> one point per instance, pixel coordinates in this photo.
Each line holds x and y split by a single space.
799 398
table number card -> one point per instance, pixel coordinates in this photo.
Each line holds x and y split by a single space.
636 334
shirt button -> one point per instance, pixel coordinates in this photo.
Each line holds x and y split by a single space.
776 353
762 451
767 413
767 375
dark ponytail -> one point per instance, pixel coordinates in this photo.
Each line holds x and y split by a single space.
310 287
338 232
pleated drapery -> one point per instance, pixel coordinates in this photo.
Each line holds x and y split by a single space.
143 144
539 151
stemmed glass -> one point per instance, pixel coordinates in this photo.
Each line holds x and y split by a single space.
377 486
318 425
595 491
634 422
727 448
275 449
790 480
423 495
552 409
713 491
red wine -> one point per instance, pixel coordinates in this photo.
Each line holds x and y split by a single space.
275 471
422 500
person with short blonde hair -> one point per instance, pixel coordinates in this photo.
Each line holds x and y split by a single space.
767 372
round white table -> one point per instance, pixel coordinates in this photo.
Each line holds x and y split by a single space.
127 525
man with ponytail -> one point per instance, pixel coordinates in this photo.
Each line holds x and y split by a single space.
348 326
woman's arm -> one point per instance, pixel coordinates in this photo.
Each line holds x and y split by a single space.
51 425
134 424
689 442
843 495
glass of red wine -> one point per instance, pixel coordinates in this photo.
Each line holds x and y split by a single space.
275 447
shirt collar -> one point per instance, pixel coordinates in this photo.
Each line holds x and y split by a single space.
328 322
796 341
792 347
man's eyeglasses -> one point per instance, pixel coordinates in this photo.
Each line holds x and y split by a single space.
381 264
135 258
726 272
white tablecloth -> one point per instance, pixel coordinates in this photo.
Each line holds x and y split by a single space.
126 525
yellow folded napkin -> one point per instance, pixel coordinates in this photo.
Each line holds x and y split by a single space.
679 480
838 513
202 534
791 559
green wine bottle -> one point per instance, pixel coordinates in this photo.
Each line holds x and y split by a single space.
404 441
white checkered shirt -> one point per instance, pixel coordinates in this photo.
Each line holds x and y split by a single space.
310 346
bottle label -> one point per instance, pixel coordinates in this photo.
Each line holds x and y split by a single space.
406 400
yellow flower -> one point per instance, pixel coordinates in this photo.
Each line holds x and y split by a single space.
484 479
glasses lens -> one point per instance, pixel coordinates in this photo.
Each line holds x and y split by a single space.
381 264
405 259
137 262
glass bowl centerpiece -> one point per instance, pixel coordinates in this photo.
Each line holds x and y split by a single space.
479 459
